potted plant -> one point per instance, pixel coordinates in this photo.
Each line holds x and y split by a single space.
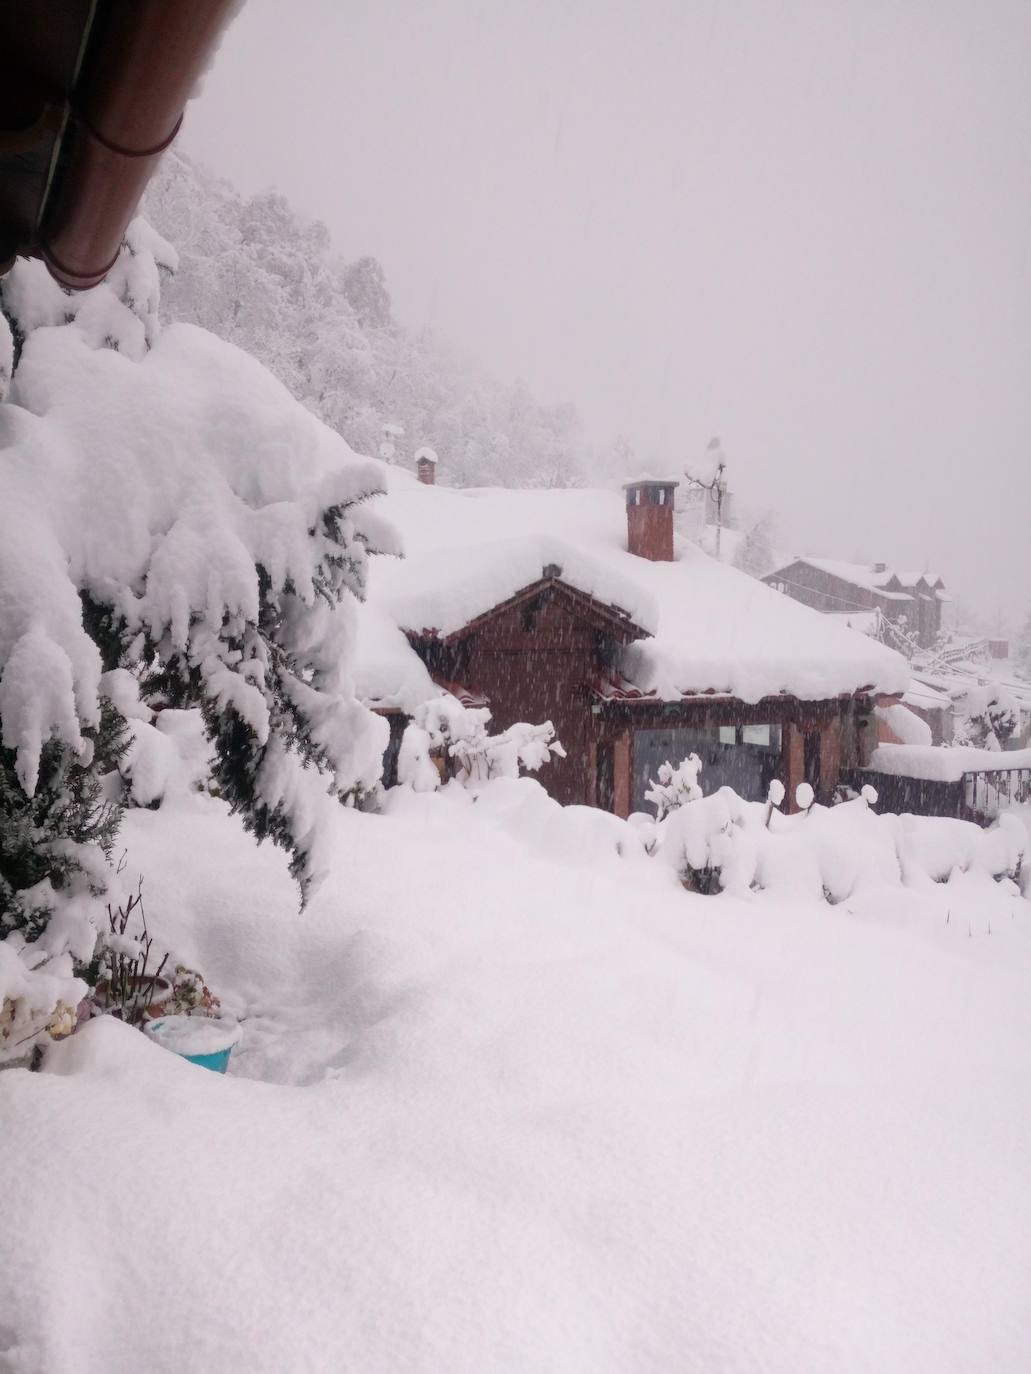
128 987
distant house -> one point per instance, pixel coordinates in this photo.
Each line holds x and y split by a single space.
912 599
587 610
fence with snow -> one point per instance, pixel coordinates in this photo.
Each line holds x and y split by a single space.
964 783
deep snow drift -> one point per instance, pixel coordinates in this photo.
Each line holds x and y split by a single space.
530 1106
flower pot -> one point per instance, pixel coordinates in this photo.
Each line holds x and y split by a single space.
160 994
204 1040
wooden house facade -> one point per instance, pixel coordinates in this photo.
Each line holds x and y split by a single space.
550 651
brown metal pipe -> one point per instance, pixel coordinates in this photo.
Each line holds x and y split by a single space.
140 69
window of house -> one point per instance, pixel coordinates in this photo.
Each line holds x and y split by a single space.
745 757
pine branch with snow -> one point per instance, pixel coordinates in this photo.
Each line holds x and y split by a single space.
212 528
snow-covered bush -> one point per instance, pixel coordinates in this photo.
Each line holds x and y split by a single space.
675 786
458 734
986 717
39 993
723 843
709 844
128 972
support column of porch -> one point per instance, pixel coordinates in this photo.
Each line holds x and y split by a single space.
792 762
621 801
830 756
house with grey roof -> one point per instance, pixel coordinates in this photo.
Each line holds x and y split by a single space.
911 600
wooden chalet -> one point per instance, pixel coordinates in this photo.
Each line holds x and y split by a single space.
575 640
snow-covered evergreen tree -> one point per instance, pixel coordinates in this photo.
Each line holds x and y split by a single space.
1022 649
165 504
756 554
986 717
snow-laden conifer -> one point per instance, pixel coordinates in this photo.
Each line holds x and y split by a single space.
167 508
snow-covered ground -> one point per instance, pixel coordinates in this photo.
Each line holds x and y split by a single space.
506 1101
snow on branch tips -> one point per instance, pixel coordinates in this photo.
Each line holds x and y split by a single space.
457 735
165 501
675 786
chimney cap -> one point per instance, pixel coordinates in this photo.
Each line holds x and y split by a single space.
425 455
646 480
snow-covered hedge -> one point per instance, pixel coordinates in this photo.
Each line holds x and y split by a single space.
723 843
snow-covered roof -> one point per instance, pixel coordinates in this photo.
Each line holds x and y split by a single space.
927 698
425 454
863 621
645 479
938 763
710 627
910 578
859 574
875 578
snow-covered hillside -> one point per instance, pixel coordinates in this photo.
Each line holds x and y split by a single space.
527 1105
255 272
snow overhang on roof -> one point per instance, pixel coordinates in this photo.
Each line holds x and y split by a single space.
93 95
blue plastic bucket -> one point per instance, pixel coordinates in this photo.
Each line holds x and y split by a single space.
218 1062
204 1040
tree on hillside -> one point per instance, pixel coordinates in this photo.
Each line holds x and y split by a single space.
365 290
256 273
756 555
1022 649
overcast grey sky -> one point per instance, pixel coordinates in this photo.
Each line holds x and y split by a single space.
804 227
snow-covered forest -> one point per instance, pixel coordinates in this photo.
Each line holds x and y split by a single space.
256 273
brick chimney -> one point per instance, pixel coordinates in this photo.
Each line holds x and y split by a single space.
426 466
649 518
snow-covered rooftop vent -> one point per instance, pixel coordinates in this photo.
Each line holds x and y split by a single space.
426 465
649 517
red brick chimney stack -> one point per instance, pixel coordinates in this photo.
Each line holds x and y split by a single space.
426 466
649 518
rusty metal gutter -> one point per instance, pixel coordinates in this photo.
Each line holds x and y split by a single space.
138 63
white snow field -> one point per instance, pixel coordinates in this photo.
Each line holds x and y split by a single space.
507 1101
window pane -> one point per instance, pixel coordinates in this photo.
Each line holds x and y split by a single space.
728 734
756 734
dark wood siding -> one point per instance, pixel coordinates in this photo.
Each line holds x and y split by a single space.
536 662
